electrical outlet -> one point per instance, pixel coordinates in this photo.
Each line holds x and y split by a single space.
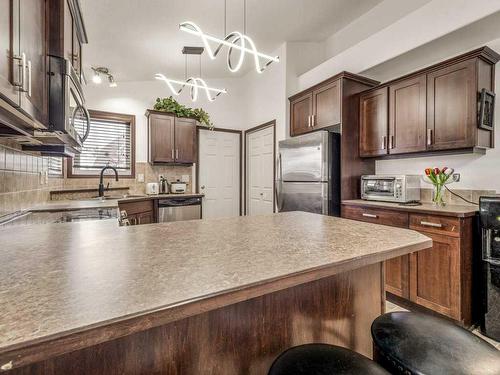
456 177
140 177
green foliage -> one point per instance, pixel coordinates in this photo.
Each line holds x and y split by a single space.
173 106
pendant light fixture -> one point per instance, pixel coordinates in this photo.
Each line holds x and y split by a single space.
195 83
233 40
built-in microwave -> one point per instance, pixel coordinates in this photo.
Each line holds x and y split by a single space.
400 188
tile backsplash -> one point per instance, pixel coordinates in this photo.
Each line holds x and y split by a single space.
469 194
25 182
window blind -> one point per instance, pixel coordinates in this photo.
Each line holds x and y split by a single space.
108 143
55 166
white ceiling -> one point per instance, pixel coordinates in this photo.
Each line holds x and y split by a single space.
137 38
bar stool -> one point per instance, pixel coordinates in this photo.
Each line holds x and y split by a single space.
412 343
323 359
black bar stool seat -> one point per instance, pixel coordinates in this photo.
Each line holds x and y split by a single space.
411 343
323 359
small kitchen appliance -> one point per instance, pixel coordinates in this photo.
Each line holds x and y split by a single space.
395 188
489 211
179 209
152 188
178 187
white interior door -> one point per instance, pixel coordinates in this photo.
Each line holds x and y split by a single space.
260 171
219 173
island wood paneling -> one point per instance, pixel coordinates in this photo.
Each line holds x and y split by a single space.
242 338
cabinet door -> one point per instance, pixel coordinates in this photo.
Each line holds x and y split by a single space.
185 140
326 106
435 276
373 123
145 218
32 44
9 47
161 139
301 110
397 275
407 116
451 107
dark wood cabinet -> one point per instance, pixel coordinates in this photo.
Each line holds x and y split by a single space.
435 276
171 139
301 109
373 122
139 212
32 45
439 278
161 138
407 116
326 105
435 109
9 48
186 145
452 108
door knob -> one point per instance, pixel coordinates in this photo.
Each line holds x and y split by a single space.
202 187
261 193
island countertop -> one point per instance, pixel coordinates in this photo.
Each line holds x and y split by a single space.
62 281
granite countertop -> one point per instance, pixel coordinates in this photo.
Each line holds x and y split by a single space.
70 278
67 205
465 210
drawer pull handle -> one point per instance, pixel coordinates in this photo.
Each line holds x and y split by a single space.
370 215
429 224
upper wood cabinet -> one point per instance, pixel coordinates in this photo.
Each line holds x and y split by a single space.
320 107
171 139
452 101
22 63
435 109
301 109
326 105
407 116
373 122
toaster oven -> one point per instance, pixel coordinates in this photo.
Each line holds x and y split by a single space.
399 189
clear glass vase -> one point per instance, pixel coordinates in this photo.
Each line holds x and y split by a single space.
438 195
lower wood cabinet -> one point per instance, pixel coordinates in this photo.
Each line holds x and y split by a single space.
439 278
139 212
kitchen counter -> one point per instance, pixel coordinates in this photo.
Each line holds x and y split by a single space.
85 283
465 210
68 205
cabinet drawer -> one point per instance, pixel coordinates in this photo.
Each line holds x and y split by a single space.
375 215
435 224
133 208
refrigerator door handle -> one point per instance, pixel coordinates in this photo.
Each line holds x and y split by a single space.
279 184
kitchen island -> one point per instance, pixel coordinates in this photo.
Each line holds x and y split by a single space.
219 296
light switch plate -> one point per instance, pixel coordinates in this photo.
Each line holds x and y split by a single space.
185 178
140 177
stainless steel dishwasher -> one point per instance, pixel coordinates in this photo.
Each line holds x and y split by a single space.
179 208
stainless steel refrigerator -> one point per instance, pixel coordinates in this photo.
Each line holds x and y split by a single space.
308 174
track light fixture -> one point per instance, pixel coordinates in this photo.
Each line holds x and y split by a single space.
101 70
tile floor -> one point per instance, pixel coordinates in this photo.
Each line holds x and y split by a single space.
391 307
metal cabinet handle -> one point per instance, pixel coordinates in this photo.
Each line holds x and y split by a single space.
313 119
309 121
429 224
384 142
391 141
22 64
202 187
370 215
429 137
177 154
173 157
29 77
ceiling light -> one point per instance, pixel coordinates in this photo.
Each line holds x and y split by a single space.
233 40
96 78
112 82
195 84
